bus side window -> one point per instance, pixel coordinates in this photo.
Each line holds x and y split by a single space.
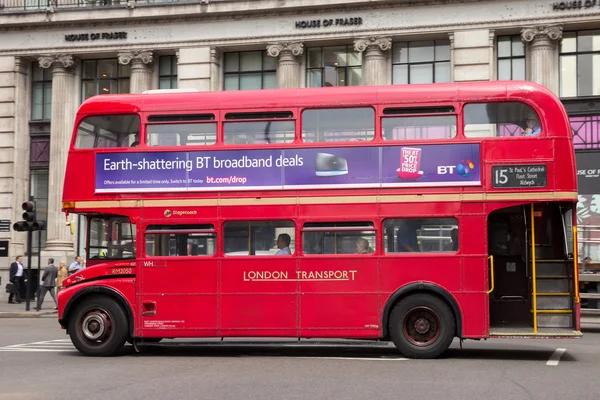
416 128
501 119
338 125
405 235
108 131
338 238
259 238
180 240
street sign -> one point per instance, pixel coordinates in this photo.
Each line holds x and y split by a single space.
4 225
3 248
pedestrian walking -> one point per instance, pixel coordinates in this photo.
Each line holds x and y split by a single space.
17 276
62 274
48 284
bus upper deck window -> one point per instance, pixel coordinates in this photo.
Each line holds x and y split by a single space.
338 125
415 128
192 134
108 131
502 119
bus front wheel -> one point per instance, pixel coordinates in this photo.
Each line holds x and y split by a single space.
422 326
98 327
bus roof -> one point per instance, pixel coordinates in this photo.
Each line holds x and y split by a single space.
182 101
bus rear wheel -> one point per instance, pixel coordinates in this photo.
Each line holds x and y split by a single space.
98 327
422 326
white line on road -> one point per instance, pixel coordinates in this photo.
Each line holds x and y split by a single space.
25 349
357 358
555 357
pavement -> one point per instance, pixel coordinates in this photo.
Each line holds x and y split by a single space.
19 310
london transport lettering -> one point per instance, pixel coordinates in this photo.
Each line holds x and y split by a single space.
266 276
386 166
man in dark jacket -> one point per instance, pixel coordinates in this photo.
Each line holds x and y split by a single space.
17 276
48 284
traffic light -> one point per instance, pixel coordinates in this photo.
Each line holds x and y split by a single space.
30 222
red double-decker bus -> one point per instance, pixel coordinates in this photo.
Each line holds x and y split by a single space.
411 213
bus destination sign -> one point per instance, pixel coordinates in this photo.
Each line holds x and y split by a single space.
519 176
339 167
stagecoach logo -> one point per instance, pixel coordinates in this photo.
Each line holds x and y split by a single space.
167 213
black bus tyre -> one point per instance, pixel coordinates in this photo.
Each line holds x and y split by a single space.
422 326
98 327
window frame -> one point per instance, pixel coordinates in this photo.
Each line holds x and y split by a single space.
543 132
376 124
322 67
173 77
434 63
426 114
182 147
239 73
109 219
111 149
209 233
373 227
387 253
293 224
97 80
575 53
44 83
511 57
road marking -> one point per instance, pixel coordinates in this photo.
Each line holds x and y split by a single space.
555 357
58 345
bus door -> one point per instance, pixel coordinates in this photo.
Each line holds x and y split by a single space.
179 280
531 269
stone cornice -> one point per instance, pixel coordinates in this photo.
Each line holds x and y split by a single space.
122 15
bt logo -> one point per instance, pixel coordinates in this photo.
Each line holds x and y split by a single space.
464 168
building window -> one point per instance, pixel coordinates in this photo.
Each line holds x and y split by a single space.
511 58
426 61
580 64
41 93
167 72
333 66
250 70
104 77
39 191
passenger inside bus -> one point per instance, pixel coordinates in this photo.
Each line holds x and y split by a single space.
362 246
453 244
532 125
283 244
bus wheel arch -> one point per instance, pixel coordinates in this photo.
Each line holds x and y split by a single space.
95 292
98 326
422 288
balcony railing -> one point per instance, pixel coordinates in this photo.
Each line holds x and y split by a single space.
43 5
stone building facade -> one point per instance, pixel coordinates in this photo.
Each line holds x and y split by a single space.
54 54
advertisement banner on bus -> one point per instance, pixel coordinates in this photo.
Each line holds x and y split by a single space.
331 167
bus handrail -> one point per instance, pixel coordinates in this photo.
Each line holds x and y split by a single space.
491 258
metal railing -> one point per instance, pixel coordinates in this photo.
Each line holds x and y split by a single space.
43 5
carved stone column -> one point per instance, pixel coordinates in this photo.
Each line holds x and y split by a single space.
376 50
141 69
288 70
64 109
542 43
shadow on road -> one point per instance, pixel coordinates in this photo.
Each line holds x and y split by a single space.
356 352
